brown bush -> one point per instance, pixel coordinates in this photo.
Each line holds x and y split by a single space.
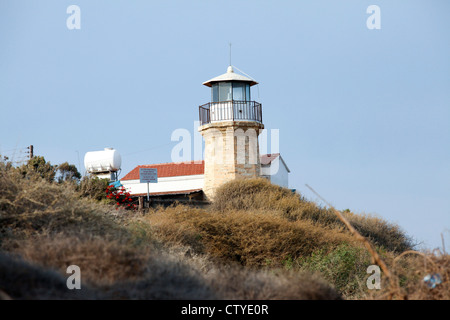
116 272
102 261
49 226
242 283
254 194
261 195
35 206
250 238
109 270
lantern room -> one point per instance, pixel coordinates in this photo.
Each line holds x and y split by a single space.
230 99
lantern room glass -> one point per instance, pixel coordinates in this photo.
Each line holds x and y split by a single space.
239 91
228 91
225 93
215 92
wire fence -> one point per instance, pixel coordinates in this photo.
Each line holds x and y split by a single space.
16 156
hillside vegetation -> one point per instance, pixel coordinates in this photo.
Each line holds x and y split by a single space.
256 241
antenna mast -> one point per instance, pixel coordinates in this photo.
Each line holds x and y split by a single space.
230 53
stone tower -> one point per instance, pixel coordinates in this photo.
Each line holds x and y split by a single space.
230 125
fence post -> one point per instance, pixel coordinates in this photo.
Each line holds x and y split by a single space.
141 203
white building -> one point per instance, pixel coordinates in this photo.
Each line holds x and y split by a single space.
186 180
173 179
275 169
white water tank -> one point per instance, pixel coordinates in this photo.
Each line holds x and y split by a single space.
108 160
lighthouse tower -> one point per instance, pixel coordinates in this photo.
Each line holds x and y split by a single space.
230 125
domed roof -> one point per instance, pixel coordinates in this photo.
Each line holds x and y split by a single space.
230 76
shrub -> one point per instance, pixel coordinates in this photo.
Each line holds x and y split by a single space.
102 260
114 271
94 188
409 270
250 238
241 283
254 194
37 166
344 267
261 195
34 207
120 196
239 248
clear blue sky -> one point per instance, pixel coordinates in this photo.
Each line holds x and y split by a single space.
363 114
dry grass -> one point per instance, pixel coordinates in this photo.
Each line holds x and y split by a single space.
247 237
257 241
35 206
46 227
232 283
103 261
111 271
174 277
408 272
262 196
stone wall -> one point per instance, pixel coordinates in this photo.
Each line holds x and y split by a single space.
231 152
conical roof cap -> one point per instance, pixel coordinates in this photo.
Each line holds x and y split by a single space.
230 76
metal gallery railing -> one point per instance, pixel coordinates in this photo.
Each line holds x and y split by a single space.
230 111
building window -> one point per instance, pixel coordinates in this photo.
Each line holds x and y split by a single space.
215 92
227 91
239 91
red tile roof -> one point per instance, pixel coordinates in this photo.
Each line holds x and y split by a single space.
173 169
268 158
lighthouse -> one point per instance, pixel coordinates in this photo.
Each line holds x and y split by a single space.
230 124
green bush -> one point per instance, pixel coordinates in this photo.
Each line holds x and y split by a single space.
93 187
344 267
38 167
